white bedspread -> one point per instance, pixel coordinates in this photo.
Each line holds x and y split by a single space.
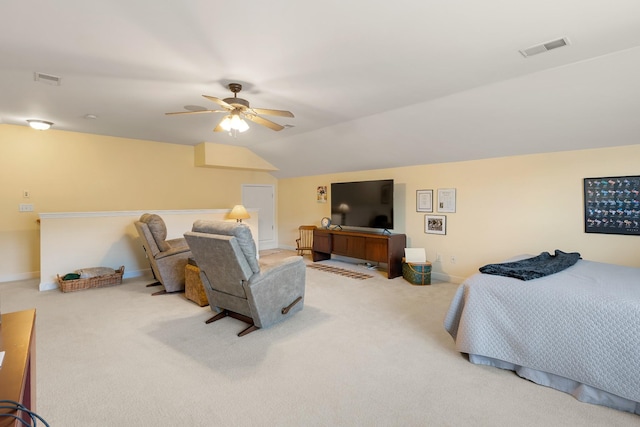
582 323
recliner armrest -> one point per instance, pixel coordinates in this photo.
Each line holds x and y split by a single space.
173 251
274 288
270 269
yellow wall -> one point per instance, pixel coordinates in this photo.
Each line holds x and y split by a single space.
75 172
209 154
505 207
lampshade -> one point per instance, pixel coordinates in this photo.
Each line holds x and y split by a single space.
39 124
344 208
239 213
234 122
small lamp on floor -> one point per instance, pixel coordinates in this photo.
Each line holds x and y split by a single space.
239 213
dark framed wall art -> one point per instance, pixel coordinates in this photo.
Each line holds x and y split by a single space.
435 224
612 205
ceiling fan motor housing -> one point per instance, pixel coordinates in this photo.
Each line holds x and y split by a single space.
235 87
237 102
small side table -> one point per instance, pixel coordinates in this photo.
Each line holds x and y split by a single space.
193 288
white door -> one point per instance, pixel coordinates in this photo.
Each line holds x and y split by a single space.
261 197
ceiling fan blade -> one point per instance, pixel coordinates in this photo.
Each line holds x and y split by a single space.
195 112
264 122
269 112
219 102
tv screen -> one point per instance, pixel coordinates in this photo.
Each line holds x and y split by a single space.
362 204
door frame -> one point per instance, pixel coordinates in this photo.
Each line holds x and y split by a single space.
266 244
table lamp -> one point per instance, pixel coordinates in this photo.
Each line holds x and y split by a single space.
239 213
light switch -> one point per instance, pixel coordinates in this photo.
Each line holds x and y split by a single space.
25 207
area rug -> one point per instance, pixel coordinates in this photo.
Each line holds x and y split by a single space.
340 271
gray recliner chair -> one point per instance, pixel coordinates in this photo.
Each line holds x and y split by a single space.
168 258
235 283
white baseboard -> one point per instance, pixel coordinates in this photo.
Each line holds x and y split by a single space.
446 277
47 286
20 276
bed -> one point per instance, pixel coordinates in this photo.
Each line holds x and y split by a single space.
576 330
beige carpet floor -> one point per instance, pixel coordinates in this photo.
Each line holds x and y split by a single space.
362 353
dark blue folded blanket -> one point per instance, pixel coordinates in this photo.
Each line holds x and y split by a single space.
532 268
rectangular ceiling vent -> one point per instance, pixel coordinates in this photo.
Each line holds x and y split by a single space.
47 78
544 47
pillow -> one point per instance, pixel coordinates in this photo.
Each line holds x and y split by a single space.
158 230
87 273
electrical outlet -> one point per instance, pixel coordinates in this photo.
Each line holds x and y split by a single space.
26 194
453 259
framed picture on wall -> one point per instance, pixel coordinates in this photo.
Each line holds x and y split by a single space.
435 224
612 205
424 201
321 194
446 200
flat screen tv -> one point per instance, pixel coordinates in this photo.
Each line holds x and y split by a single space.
366 204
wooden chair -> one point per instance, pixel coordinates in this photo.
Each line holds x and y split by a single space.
305 241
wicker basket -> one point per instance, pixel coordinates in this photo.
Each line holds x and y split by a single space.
417 273
92 282
193 289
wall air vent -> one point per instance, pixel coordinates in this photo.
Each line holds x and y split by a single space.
544 47
47 79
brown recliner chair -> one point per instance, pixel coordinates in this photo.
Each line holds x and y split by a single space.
168 258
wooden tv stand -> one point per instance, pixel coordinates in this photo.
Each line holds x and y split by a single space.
387 248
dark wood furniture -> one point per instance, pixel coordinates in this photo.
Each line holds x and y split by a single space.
386 248
18 372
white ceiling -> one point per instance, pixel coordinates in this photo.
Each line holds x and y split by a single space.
372 84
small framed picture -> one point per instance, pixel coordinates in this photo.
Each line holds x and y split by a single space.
446 200
424 201
435 224
321 194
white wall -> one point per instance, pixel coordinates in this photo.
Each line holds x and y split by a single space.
74 240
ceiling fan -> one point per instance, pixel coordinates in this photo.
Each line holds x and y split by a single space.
238 110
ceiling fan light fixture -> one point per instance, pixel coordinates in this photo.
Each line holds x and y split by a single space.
240 125
234 122
39 124
226 124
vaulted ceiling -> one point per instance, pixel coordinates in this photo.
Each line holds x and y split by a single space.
372 84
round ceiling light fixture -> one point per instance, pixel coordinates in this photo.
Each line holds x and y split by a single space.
39 124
